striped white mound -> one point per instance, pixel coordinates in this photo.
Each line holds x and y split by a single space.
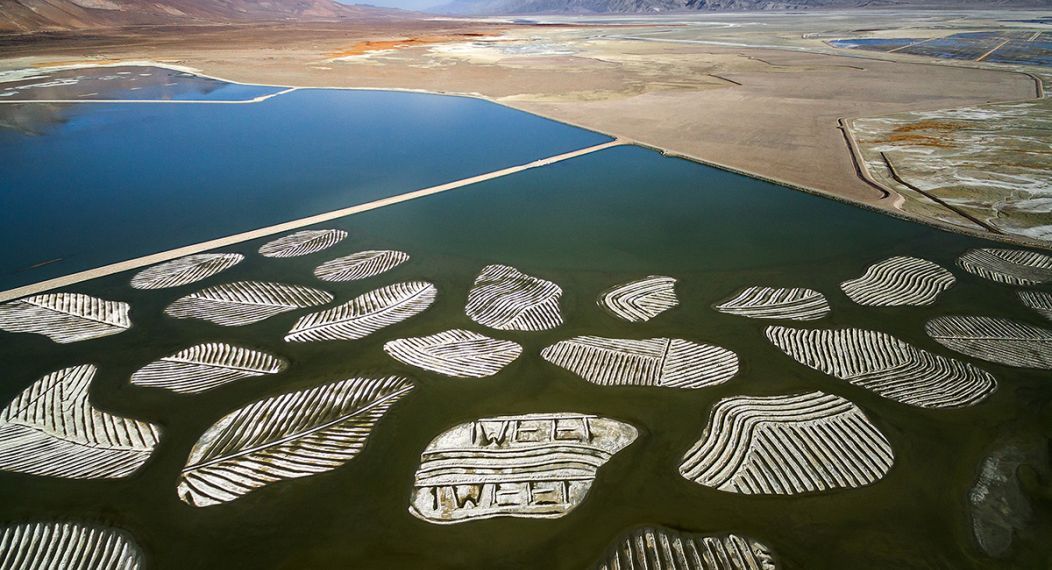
666 549
899 281
206 366
1011 266
639 301
795 304
1040 302
284 437
365 314
67 546
185 270
457 353
360 265
245 302
664 362
995 340
887 366
303 242
506 299
532 466
786 445
51 429
65 317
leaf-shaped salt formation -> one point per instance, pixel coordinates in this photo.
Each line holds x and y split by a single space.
365 314
995 340
795 304
506 299
534 465
458 353
667 549
284 437
886 365
303 242
899 281
664 362
67 546
245 302
52 429
206 366
1011 266
639 301
1040 302
65 317
185 270
786 445
360 265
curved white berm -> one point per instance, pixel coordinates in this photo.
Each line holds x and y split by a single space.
641 300
995 340
65 317
666 549
67 546
1011 266
365 314
794 304
303 242
361 265
504 298
899 281
1038 301
245 302
888 366
532 466
52 429
185 270
663 362
458 353
293 435
787 445
206 366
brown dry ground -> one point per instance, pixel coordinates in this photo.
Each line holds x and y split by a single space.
768 112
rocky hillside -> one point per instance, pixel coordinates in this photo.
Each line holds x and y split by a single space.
43 15
494 7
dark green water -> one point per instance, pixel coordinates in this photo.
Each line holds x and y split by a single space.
586 224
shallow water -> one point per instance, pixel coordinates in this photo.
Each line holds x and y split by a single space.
111 182
586 224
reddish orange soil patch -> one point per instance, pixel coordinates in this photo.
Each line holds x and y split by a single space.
369 46
923 133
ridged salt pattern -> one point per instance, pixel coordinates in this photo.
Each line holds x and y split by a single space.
662 362
293 435
303 242
887 366
504 298
65 317
245 302
532 466
656 548
206 366
995 340
365 314
796 304
361 265
899 281
639 301
1040 302
457 353
67 546
185 270
1010 266
787 445
52 429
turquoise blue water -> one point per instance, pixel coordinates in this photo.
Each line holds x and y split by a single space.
102 183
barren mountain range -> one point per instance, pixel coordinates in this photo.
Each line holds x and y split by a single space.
44 15
494 7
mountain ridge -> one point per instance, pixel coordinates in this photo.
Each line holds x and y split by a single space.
509 7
